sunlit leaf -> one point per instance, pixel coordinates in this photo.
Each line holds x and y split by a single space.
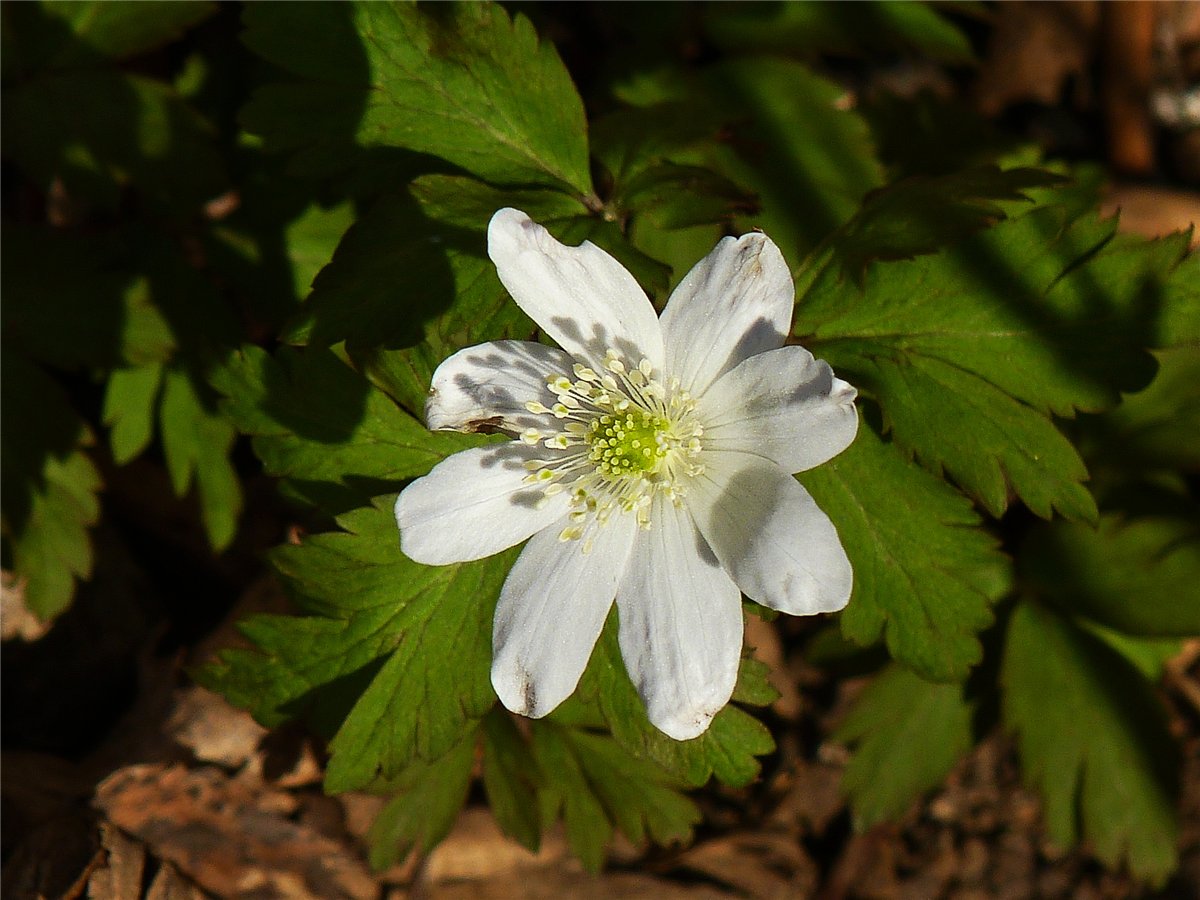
925 573
462 82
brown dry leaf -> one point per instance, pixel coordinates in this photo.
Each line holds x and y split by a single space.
764 865
232 836
16 619
212 729
168 884
476 849
120 876
555 884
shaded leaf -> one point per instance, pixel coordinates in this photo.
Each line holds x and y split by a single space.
908 734
920 214
429 799
49 487
811 29
1100 752
1137 574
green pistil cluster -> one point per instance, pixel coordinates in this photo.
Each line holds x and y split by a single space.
627 443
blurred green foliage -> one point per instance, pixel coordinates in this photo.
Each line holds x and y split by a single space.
268 221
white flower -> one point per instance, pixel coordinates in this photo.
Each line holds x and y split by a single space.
652 466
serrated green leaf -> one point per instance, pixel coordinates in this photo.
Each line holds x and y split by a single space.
727 750
511 779
1035 316
1093 739
430 798
599 787
1137 574
394 657
129 403
640 798
1179 320
100 130
49 487
908 734
812 29
318 423
566 789
1157 427
925 573
196 442
461 82
675 196
919 214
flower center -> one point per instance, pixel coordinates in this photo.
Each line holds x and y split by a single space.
635 441
618 438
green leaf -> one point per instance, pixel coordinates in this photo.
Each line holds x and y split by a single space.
859 29
1036 316
1179 321
49 487
397 270
318 423
599 786
1137 574
1155 428
130 400
462 82
727 750
63 35
919 214
808 161
432 251
566 789
311 239
909 733
100 130
72 301
675 196
925 573
394 657
511 779
1093 739
197 441
430 797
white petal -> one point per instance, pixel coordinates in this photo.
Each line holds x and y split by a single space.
735 303
473 504
493 380
783 405
681 625
580 296
551 611
766 530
